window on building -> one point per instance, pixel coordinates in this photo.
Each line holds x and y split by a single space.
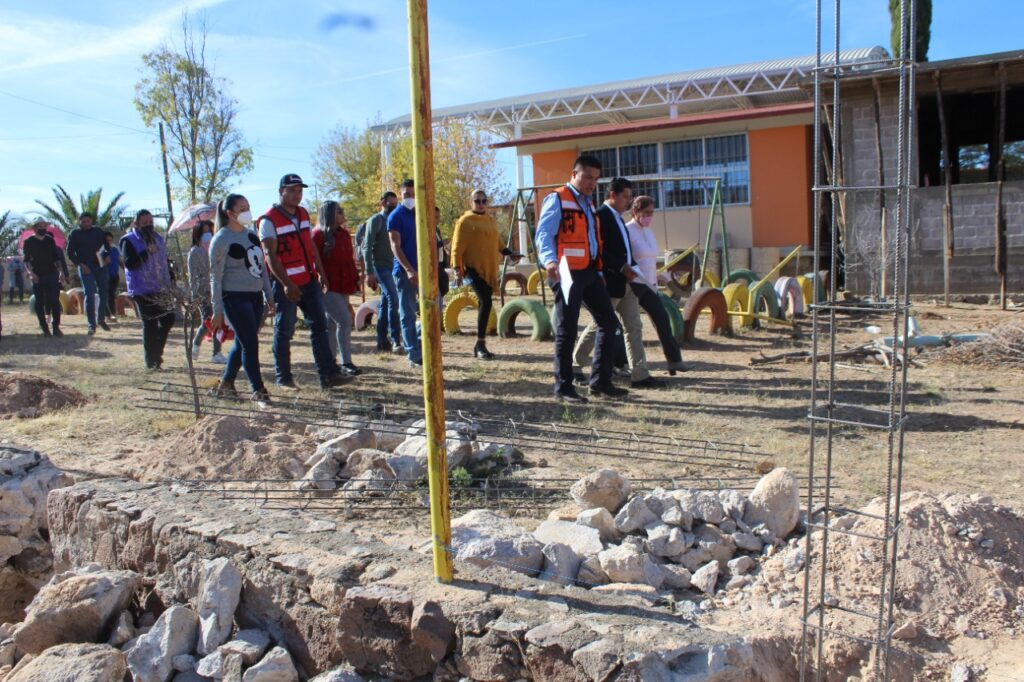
684 158
726 157
639 159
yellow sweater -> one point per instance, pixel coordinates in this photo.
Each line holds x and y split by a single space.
476 244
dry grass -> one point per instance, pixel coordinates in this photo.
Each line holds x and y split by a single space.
964 433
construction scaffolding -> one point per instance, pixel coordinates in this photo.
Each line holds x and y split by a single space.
869 620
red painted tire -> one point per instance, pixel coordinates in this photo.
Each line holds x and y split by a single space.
711 299
517 277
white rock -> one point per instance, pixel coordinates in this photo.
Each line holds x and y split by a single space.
583 540
627 564
322 474
249 644
276 666
676 577
123 630
693 558
741 565
590 572
706 577
343 445
362 460
775 502
793 562
906 631
665 541
733 503
634 515
747 542
218 599
342 674
701 505
561 563
372 482
602 488
183 663
173 634
675 516
719 545
220 665
601 519
487 538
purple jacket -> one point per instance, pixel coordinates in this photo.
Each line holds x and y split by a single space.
152 276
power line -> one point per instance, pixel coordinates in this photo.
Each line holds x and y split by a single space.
76 113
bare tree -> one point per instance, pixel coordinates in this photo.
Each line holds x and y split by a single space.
179 89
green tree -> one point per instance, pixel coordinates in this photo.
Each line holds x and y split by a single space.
205 147
10 227
922 32
65 214
348 163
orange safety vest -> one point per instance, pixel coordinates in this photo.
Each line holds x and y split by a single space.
295 246
573 240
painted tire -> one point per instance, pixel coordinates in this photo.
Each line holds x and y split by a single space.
791 297
708 279
366 313
675 318
742 275
765 301
76 301
517 277
32 304
533 283
706 298
814 287
456 305
538 315
737 297
123 303
64 302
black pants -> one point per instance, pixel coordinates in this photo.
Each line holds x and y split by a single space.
484 294
157 320
651 302
47 293
588 290
112 282
17 281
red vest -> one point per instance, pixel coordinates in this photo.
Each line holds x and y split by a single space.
294 244
573 240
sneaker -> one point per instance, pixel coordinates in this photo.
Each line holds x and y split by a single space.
608 391
416 363
262 399
91 331
351 370
397 349
580 380
219 359
288 384
195 354
649 382
57 332
334 381
104 326
224 389
570 396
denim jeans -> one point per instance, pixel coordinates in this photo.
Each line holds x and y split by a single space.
339 325
47 293
244 312
387 314
312 305
407 307
94 282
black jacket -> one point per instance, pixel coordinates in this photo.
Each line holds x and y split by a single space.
613 253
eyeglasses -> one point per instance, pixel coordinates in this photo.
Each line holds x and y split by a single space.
479 201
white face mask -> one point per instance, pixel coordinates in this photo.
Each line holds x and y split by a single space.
245 218
409 203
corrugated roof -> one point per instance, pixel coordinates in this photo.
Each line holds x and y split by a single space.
639 84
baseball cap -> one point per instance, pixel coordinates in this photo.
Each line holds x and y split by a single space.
291 180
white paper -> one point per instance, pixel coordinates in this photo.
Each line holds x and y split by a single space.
564 279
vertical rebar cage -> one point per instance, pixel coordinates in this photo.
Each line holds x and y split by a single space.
868 618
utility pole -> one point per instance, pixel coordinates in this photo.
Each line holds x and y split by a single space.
167 175
430 313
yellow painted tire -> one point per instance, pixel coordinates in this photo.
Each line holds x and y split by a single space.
737 297
707 279
64 302
533 283
454 307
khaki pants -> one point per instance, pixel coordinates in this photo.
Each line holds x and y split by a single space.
628 310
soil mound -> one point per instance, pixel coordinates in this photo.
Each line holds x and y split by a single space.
26 395
230 448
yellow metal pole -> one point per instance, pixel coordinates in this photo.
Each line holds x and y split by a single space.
774 271
430 317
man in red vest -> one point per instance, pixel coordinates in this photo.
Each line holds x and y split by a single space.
299 278
569 246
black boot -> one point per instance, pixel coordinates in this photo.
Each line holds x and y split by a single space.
480 350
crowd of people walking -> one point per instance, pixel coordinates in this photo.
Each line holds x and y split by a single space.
241 268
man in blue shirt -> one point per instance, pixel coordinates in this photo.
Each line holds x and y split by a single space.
568 243
402 233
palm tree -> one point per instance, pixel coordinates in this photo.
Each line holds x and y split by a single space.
67 213
10 228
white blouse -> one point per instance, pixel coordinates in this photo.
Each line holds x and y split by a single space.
645 250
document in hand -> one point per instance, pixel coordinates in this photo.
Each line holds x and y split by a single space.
565 279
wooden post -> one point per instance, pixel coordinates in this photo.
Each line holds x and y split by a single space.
947 178
430 314
883 246
167 175
1000 174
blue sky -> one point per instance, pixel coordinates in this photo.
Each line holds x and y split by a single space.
296 81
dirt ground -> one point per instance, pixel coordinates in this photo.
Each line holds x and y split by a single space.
963 434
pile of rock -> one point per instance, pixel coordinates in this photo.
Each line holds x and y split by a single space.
382 454
91 625
663 539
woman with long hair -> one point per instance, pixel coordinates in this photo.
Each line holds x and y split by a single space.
334 242
199 284
239 293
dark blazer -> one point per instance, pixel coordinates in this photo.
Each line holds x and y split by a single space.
613 253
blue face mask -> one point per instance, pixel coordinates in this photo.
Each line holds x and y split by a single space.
205 239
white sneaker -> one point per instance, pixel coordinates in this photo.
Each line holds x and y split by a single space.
195 354
219 359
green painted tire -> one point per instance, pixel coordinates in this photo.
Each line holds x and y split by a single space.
538 315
